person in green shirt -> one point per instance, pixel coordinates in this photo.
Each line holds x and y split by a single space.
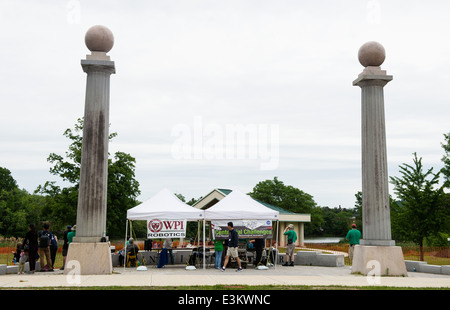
218 250
290 246
353 237
71 234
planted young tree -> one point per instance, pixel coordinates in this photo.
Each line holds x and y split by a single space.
419 209
446 159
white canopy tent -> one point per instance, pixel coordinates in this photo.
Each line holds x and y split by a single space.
240 206
164 205
235 206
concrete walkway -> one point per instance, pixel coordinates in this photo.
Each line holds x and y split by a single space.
178 276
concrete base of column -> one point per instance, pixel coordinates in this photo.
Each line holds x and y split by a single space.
379 261
89 239
377 242
88 259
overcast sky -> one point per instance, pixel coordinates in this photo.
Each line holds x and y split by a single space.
190 74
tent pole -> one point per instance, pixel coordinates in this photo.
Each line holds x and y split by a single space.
125 246
204 244
131 229
276 247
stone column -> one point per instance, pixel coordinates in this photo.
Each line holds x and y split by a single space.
376 250
91 210
375 179
301 234
87 253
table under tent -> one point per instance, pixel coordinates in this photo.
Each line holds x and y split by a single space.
164 206
253 218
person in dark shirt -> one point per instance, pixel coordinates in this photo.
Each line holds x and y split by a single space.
45 237
258 244
132 252
65 247
233 238
31 242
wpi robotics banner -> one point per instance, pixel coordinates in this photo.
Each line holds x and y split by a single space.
166 228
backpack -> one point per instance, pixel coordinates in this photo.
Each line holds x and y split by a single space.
44 239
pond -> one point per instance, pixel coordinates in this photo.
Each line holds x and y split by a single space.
323 239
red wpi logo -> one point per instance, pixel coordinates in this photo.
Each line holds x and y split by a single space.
155 226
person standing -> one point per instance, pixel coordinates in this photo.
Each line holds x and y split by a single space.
22 260
45 238
65 246
53 249
168 244
72 233
132 250
353 237
233 239
31 242
259 244
290 246
218 250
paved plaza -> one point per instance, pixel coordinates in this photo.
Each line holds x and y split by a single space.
177 275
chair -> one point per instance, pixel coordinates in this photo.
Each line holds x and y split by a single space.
208 256
131 260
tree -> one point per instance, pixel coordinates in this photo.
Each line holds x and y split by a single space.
122 191
419 210
317 226
446 160
292 199
288 197
358 210
17 207
7 182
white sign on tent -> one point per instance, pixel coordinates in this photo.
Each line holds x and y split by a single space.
157 228
245 228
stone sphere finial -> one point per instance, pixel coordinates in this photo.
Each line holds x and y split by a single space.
371 54
99 38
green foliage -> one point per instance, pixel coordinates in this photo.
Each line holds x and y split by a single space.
419 212
446 160
335 221
288 197
17 210
325 221
60 204
7 182
123 190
